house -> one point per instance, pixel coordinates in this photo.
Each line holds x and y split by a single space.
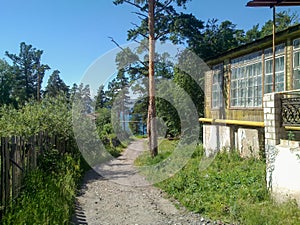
240 109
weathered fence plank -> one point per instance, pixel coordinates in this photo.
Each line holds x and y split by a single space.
18 156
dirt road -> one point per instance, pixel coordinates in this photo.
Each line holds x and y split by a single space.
122 196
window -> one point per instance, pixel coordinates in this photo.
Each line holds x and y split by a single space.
217 86
246 81
279 69
296 65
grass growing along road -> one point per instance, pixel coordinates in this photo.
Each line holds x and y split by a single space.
231 189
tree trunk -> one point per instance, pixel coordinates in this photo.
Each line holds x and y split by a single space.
151 122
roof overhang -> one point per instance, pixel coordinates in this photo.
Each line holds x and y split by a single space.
272 3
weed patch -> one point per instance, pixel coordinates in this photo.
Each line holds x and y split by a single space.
231 189
48 194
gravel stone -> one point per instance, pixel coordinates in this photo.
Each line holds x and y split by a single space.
103 201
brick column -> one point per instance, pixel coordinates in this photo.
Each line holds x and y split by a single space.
272 118
273 131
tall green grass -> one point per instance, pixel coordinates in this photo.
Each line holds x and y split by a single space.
49 192
231 189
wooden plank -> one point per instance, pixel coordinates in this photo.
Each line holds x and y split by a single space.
7 169
2 198
14 175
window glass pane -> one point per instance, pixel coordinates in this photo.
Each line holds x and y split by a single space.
279 49
247 71
268 66
279 87
279 64
217 82
297 84
297 44
279 74
268 88
296 59
296 64
297 77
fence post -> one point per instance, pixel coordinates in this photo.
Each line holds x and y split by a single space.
7 169
2 197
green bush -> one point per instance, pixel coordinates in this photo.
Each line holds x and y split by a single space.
107 133
48 192
51 115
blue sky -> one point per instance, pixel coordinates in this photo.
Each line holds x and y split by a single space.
73 34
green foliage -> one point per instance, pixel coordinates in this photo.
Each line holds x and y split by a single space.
284 19
100 99
216 38
52 115
56 86
6 83
169 24
48 194
106 132
28 72
231 189
291 136
253 34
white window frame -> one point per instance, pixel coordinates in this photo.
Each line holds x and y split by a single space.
240 83
217 86
279 54
296 50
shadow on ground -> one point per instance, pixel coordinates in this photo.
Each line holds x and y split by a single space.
79 216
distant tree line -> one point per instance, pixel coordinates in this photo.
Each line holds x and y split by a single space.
20 81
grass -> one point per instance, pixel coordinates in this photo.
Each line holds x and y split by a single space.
231 189
166 148
49 192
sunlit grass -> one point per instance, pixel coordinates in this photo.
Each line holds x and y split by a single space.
231 189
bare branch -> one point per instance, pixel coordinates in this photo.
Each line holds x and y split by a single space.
123 50
134 4
116 43
140 14
140 18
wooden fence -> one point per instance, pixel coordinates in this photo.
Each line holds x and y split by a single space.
18 156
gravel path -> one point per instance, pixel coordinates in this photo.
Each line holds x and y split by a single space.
122 196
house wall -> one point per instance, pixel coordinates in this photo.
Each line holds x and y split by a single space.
238 134
238 128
